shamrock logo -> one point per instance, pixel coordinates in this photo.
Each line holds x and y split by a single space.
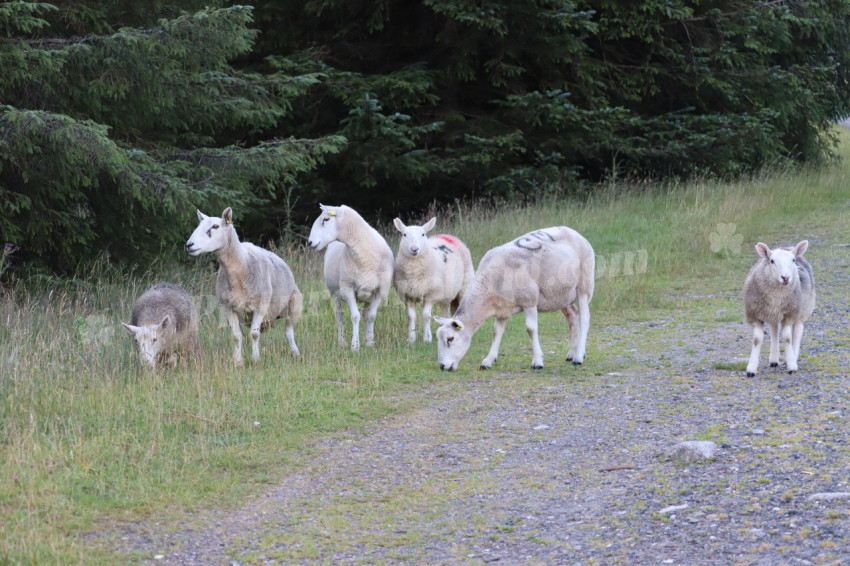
725 238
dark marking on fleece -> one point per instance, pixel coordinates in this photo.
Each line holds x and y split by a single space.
533 241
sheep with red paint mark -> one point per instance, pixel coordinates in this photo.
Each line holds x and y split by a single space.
430 270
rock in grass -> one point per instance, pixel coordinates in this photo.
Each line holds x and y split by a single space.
693 451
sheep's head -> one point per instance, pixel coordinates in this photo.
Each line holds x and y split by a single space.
211 234
150 339
413 238
326 227
453 339
781 263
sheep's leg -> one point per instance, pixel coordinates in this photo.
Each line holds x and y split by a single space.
758 338
571 312
256 328
531 327
792 345
498 331
340 324
290 337
351 301
371 314
584 327
236 329
426 322
798 339
774 344
411 322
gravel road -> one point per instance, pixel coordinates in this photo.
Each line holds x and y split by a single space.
569 466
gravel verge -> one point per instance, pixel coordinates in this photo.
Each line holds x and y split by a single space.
569 466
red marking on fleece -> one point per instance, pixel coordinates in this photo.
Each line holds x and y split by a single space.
451 240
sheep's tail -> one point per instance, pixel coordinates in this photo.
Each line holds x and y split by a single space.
296 306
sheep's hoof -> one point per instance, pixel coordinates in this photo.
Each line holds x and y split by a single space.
569 358
774 364
575 363
537 367
751 374
792 371
482 366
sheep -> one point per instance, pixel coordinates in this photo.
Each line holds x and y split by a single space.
779 291
543 271
429 270
358 267
254 286
164 325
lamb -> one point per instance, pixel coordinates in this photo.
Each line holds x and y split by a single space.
543 271
358 267
164 325
779 291
429 270
254 286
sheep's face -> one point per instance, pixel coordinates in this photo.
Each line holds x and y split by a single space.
326 227
211 233
413 238
453 340
781 262
149 340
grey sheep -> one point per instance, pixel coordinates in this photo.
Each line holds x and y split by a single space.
164 325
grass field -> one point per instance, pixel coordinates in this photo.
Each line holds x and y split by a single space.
89 438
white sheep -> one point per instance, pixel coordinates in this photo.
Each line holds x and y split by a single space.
430 270
358 267
164 325
254 286
780 292
543 271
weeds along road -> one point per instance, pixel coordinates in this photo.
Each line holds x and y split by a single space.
566 466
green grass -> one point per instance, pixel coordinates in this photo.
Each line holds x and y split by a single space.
89 438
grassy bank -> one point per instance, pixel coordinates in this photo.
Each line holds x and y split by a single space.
88 437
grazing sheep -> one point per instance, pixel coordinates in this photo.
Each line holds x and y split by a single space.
543 271
164 325
429 270
780 292
358 267
254 286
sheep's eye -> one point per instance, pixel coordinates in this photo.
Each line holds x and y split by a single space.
771 261
794 260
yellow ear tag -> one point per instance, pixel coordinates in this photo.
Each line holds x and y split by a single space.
332 213
459 327
228 221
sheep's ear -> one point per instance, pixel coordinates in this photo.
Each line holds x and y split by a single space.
166 321
430 225
201 215
763 250
442 321
399 225
802 247
131 330
227 215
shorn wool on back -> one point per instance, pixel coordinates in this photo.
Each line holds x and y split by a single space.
428 271
254 286
358 267
164 325
779 292
543 271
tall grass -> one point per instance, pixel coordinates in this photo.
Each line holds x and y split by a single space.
88 437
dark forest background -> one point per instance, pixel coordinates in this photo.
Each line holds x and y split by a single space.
119 118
